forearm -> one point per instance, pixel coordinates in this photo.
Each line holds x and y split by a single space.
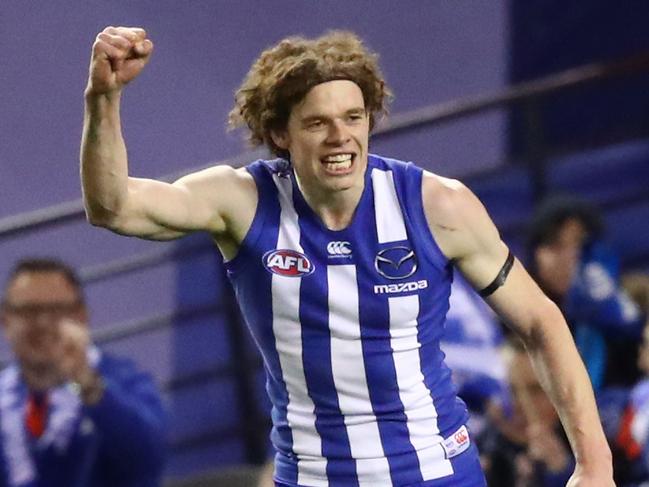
104 167
563 376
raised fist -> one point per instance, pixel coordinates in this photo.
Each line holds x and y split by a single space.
118 55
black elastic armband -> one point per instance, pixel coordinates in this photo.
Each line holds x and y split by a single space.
500 278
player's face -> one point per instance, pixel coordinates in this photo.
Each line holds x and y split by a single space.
32 312
327 137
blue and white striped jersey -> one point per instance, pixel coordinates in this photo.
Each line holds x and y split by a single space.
349 323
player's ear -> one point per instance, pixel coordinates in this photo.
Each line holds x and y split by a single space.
280 138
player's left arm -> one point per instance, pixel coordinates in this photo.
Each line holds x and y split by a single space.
465 233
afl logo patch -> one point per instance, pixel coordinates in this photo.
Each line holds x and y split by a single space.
287 262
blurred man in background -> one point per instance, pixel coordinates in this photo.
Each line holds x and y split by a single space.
526 445
626 409
581 273
70 415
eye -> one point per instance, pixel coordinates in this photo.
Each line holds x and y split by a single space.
314 124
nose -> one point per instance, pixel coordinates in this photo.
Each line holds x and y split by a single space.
338 133
44 320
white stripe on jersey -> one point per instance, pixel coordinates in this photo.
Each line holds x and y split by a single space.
390 226
349 377
417 401
312 470
415 396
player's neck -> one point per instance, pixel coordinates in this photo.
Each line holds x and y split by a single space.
334 207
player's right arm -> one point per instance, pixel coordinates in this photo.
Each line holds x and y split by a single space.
146 208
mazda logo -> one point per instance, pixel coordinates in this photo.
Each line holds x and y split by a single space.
396 262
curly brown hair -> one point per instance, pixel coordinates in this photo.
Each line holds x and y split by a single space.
283 75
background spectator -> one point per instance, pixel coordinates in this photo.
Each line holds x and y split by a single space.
70 415
626 411
526 447
580 272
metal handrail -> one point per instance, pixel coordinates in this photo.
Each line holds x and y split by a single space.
126 329
544 86
140 261
395 124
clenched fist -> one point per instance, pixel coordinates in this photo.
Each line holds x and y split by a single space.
118 55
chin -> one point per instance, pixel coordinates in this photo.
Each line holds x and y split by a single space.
40 380
341 184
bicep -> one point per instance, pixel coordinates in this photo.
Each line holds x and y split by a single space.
197 202
475 246
471 240
163 211
154 210
468 237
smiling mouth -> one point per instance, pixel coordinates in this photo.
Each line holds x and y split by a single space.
338 163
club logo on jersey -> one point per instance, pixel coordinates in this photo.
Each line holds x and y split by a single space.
339 249
287 262
398 262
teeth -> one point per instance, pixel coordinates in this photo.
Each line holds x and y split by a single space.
338 162
338 158
339 166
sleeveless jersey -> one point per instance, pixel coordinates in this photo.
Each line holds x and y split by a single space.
349 324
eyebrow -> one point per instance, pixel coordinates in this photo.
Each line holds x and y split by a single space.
351 111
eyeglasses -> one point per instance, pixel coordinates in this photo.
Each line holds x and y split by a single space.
32 310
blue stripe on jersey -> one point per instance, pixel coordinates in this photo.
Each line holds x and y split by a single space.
377 354
258 317
316 341
392 421
437 376
392 429
379 365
